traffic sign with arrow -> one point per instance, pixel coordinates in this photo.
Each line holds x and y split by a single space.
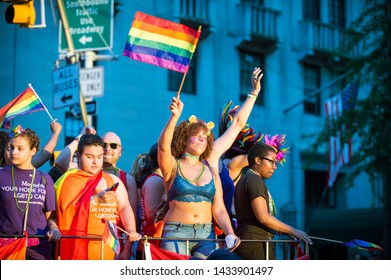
90 108
66 86
64 98
90 25
84 40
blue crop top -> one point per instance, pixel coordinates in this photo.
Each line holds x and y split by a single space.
183 191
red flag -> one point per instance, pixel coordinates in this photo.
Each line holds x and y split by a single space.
161 254
300 254
16 250
339 153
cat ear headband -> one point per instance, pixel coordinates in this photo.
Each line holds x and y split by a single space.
209 125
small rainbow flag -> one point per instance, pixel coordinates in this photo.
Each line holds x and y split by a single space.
110 236
161 42
363 245
25 103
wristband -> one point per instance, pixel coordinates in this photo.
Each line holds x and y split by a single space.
252 95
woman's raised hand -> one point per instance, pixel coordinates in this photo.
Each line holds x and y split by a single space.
176 106
256 80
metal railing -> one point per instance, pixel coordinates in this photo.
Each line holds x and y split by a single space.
288 246
329 38
258 20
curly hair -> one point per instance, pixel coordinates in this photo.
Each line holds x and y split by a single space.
31 137
183 131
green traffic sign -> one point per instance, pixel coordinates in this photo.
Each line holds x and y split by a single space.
90 25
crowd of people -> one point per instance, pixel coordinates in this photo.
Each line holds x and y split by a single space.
204 189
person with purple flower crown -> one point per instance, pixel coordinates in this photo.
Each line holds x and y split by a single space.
254 205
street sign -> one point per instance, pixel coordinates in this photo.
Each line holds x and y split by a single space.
90 108
66 86
90 25
91 81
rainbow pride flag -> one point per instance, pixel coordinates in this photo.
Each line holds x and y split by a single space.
110 236
25 103
363 245
161 42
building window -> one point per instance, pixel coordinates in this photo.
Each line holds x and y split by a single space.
337 13
189 85
247 63
311 83
317 194
311 10
73 126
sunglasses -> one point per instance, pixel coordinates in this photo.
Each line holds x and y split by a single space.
113 146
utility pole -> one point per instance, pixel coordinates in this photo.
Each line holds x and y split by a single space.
74 58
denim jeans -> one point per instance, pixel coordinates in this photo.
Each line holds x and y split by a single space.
199 249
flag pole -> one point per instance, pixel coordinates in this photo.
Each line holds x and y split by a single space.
121 229
101 249
317 91
124 231
325 239
30 86
178 93
184 75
